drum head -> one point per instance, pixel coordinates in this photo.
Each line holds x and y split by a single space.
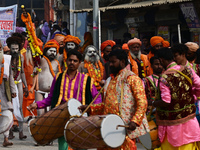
145 140
73 105
112 136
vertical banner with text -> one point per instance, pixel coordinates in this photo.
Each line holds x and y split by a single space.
7 22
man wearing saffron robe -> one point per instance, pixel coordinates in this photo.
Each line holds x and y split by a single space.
67 85
124 95
177 124
139 62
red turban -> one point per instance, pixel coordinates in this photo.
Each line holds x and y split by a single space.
134 41
52 43
125 46
158 39
107 43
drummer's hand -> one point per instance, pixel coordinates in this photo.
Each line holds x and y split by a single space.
83 107
32 107
132 126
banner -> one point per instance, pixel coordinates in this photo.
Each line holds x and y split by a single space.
163 31
7 22
190 16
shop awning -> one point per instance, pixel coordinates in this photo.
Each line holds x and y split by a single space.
133 5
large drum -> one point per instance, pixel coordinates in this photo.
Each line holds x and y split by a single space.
95 132
150 140
50 125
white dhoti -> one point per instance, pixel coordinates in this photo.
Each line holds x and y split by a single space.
16 107
6 122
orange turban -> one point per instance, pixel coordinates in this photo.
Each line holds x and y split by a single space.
125 46
107 43
52 43
192 46
70 38
59 38
158 39
134 41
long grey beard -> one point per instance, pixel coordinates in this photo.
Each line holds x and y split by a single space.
92 60
1 56
134 56
29 58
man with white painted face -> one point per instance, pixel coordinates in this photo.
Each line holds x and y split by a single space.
71 43
6 116
50 67
17 61
92 66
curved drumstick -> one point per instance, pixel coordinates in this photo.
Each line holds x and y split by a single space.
31 112
125 126
92 102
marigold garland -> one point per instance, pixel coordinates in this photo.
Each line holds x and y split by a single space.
50 66
96 74
18 70
141 63
34 42
65 58
2 71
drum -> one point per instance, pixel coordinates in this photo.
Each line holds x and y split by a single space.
150 140
95 132
50 125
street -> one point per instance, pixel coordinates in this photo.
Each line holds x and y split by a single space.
28 144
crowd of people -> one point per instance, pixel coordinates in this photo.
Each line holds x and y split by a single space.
157 82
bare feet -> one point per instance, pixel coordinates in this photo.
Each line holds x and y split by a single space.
6 142
22 136
11 136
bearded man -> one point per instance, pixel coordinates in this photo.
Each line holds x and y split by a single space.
6 116
50 67
106 48
71 43
92 66
17 62
124 96
139 62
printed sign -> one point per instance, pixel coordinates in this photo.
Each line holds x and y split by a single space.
7 22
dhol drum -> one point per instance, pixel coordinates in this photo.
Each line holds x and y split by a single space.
95 132
150 140
50 125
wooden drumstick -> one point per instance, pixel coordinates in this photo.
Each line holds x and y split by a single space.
92 102
31 111
125 126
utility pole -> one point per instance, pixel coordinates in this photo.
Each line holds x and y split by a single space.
71 5
96 23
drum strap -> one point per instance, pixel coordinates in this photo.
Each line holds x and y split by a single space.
79 85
